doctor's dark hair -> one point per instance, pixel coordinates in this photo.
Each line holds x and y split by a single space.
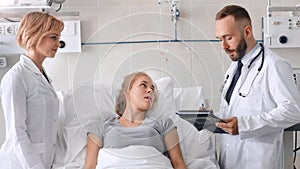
126 86
239 13
34 26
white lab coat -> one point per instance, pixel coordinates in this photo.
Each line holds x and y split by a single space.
271 105
30 107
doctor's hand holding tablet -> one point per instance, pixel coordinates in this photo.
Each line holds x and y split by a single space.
229 125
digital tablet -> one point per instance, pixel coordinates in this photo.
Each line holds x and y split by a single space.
216 119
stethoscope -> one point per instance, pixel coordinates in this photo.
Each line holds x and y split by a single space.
246 93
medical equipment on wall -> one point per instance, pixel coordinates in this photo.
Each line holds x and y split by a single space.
29 3
59 2
13 4
70 40
245 92
175 13
56 1
282 31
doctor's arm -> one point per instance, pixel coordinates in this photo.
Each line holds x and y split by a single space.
13 96
92 149
174 151
283 93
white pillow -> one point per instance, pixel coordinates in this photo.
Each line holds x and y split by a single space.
189 98
165 104
198 147
80 106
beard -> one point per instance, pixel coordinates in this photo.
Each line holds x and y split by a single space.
240 50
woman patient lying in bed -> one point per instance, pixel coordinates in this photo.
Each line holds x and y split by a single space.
138 94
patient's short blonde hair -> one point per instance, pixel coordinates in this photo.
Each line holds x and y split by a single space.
34 26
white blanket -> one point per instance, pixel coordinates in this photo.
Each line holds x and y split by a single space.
132 157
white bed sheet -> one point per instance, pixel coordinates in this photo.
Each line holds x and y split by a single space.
132 157
86 101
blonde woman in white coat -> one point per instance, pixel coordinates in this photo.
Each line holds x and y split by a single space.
29 102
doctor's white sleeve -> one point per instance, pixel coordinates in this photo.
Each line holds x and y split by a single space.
285 96
13 95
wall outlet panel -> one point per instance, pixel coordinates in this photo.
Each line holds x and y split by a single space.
2 30
71 36
3 62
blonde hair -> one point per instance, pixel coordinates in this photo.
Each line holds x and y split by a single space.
126 86
34 26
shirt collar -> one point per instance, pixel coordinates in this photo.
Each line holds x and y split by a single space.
251 54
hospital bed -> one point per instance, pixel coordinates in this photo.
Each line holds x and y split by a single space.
84 103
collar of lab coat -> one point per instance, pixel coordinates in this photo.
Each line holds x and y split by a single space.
26 61
246 61
250 55
249 74
30 65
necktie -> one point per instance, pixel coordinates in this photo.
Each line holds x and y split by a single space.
234 80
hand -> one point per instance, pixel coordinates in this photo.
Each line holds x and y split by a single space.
231 125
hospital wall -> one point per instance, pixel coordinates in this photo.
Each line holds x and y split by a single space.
122 36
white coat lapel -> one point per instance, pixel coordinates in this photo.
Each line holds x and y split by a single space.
249 74
227 82
30 65
45 81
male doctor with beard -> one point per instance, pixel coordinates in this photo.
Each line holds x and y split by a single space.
263 102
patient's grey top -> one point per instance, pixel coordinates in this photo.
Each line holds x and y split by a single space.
150 133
